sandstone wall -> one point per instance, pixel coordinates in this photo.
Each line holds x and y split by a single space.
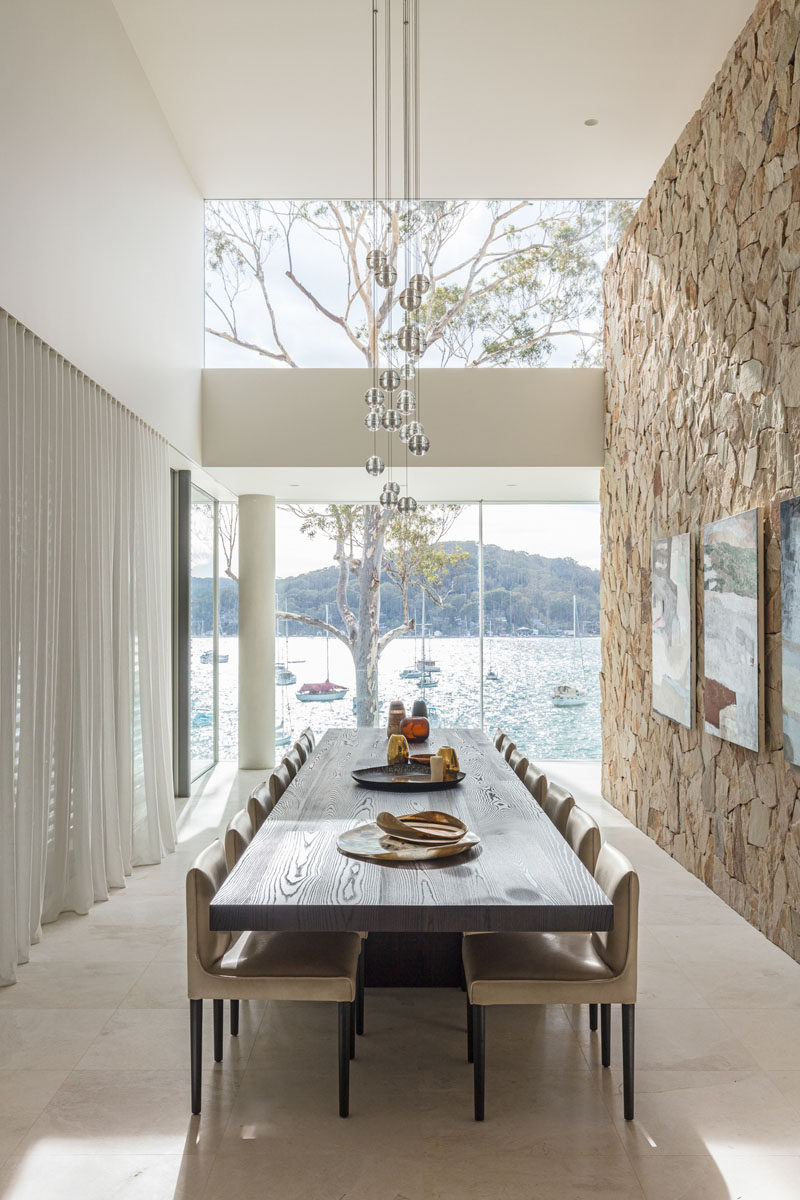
703 420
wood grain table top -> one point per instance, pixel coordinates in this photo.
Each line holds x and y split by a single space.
522 876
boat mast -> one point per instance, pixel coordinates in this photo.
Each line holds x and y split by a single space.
327 650
575 631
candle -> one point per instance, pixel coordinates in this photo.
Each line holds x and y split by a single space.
437 768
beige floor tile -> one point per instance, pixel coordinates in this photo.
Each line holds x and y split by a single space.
23 1095
688 1039
685 1113
71 985
770 1035
51 1039
485 1176
80 940
159 985
104 1177
788 1083
356 1171
157 1039
674 1177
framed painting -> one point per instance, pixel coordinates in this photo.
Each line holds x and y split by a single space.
733 629
790 628
672 604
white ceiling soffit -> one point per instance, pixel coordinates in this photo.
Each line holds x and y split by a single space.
351 485
273 100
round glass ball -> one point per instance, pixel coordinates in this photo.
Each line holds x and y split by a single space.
408 371
374 465
420 283
374 396
376 259
419 444
409 337
410 300
373 419
406 401
386 276
415 427
389 379
406 504
403 434
393 487
392 420
388 499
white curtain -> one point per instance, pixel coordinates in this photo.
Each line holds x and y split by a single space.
85 700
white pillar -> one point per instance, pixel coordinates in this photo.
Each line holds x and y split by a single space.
257 632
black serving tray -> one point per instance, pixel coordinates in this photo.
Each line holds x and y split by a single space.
403 777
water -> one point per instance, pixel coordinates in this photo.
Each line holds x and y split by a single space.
529 668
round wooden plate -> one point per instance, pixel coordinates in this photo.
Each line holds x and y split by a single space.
368 841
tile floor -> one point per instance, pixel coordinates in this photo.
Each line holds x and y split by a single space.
94 1078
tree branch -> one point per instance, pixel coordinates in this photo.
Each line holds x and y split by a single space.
391 634
331 629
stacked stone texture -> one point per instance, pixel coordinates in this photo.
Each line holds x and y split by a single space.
702 421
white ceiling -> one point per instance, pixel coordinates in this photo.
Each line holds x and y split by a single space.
270 99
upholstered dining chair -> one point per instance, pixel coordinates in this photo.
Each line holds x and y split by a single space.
583 834
302 751
499 737
536 782
508 749
238 836
259 806
262 966
293 761
561 968
518 763
308 736
279 781
558 804
306 742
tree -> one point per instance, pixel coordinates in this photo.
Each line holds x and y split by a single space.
509 277
367 540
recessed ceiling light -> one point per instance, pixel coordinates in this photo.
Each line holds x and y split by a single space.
294 485
511 485
591 121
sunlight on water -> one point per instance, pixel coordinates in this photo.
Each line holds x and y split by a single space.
528 670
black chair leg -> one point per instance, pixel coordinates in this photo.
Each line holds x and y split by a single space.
479 1057
605 1034
470 1056
463 983
219 1006
360 994
345 1010
234 1018
353 1009
628 1019
593 1018
196 1042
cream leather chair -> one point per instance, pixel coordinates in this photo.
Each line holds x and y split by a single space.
279 781
583 835
306 742
308 735
518 763
302 751
558 804
561 968
499 737
293 761
238 836
259 806
262 966
508 749
536 783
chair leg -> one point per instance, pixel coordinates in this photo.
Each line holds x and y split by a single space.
196 1043
479 1057
628 1019
605 1034
360 994
219 1006
353 1012
470 1055
344 1057
593 1018
234 1018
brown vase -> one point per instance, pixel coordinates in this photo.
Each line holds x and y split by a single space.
416 729
397 714
397 750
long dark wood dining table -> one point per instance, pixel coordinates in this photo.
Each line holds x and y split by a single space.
522 876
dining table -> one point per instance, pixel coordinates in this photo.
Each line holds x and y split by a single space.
521 876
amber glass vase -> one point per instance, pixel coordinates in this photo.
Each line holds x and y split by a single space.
415 729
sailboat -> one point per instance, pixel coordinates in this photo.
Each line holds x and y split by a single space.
412 672
322 692
570 695
426 666
284 676
491 674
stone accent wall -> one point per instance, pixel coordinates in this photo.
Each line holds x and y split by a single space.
703 420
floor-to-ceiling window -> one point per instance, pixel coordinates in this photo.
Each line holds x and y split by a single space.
202 631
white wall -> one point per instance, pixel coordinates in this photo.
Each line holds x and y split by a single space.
101 225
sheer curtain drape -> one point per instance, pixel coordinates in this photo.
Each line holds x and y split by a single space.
85 764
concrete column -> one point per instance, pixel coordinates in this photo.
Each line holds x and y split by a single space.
257 632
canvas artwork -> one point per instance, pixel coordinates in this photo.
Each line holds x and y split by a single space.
733 692
672 602
790 627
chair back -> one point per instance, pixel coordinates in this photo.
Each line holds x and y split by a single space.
205 877
308 736
279 780
238 837
499 738
535 781
583 835
508 749
293 761
518 763
259 806
619 881
558 804
302 751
